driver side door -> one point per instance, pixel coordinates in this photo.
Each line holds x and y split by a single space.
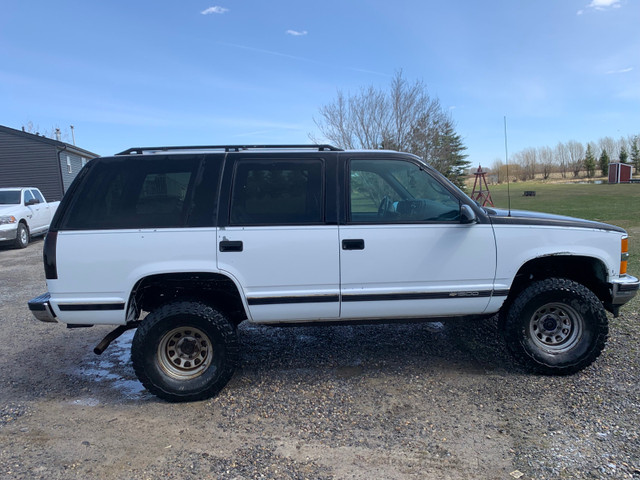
404 252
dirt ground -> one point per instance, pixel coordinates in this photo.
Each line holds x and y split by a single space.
393 401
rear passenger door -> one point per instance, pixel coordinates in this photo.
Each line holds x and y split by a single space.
275 238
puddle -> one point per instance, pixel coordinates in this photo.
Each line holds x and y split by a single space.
86 402
113 370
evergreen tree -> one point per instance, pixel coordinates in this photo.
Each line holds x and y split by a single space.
635 155
453 163
604 163
623 155
590 162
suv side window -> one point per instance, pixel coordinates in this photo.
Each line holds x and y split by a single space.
395 191
280 192
146 193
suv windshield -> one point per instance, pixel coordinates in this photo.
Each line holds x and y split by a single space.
10 197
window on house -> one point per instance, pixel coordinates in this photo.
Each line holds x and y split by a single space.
69 164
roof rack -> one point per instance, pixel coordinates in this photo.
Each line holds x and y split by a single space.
230 148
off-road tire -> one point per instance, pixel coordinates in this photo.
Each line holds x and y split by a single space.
555 327
185 351
22 236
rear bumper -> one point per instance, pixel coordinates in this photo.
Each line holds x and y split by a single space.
624 289
41 309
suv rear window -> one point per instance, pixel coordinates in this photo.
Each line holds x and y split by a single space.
280 192
153 192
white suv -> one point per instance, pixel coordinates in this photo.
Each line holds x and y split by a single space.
184 243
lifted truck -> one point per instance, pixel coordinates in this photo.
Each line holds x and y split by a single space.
185 243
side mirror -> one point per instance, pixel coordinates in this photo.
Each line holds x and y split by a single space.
33 201
467 215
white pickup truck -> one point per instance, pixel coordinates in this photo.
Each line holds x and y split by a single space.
24 213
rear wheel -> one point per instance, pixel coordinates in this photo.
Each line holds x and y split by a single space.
185 351
556 326
22 237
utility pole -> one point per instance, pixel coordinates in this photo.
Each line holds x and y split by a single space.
73 137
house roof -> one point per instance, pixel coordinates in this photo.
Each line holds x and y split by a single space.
38 138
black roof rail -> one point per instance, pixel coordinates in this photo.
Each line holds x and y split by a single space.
230 148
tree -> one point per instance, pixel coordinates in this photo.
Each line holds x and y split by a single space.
440 146
403 118
576 157
623 155
635 155
604 163
609 145
545 160
562 158
590 162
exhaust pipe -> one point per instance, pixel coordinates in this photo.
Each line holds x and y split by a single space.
111 336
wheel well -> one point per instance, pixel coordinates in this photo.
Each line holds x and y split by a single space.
215 289
587 271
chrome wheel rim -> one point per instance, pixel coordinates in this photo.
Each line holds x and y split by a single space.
185 353
24 238
556 327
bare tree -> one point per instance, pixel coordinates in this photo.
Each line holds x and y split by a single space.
403 118
562 158
610 146
529 163
576 157
373 118
545 161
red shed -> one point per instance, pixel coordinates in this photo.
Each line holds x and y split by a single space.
619 172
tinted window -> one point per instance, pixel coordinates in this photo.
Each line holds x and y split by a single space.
277 193
387 191
152 192
10 197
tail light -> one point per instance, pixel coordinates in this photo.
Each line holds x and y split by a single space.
49 256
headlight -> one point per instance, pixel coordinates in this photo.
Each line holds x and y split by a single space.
5 219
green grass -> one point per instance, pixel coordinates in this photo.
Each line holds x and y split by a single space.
615 204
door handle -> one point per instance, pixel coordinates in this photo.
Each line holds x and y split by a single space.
231 246
353 244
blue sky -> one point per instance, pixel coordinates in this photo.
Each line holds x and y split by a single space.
142 73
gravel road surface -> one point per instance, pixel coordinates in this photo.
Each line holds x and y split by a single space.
409 401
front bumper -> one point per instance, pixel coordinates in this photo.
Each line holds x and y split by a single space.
623 289
8 231
41 309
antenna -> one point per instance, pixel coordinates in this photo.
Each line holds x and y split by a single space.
506 157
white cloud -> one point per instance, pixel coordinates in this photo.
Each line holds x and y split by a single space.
216 9
604 3
296 33
601 5
622 70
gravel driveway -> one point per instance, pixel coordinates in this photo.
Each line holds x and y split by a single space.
402 401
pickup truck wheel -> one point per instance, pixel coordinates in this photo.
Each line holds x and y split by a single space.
556 327
22 237
185 351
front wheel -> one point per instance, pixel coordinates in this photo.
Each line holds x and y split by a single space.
185 351
556 326
22 237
